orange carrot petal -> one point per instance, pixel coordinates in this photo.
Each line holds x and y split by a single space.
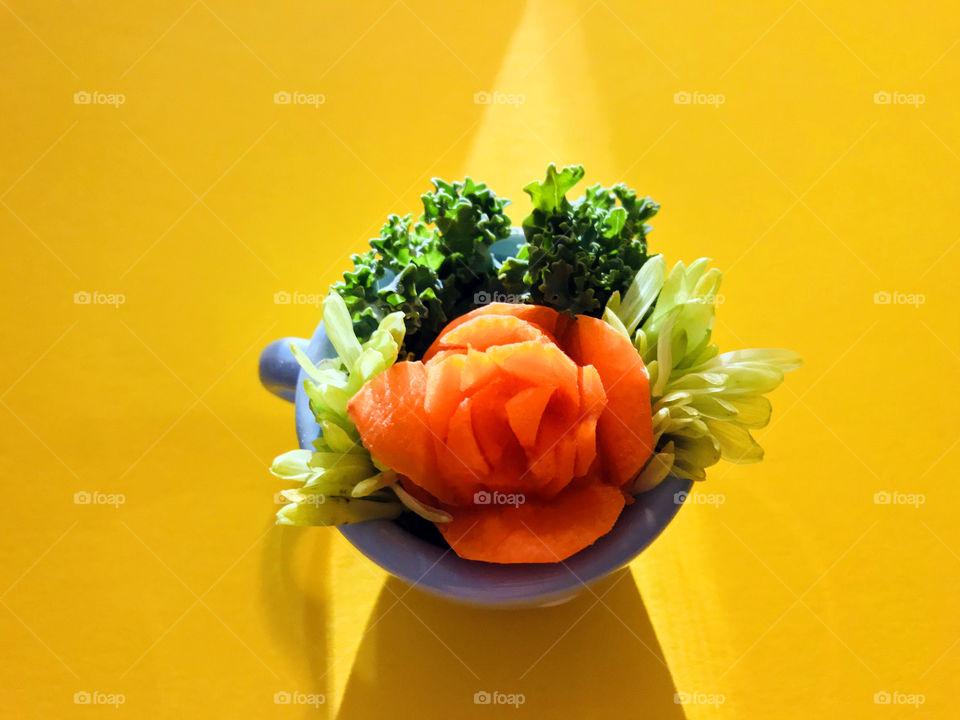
535 531
484 331
389 414
442 393
525 410
547 320
463 442
625 428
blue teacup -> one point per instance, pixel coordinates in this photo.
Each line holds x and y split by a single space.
409 550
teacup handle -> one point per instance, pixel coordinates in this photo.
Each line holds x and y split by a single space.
279 369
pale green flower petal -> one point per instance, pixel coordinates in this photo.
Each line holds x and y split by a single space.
614 321
642 293
374 483
693 275
313 372
641 343
425 511
755 379
703 451
703 403
337 511
708 286
753 411
341 469
736 443
783 360
330 398
613 305
665 353
293 465
338 480
328 460
655 471
339 328
714 407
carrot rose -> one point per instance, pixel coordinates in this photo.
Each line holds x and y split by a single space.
522 423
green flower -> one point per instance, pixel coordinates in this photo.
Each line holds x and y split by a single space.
339 482
704 404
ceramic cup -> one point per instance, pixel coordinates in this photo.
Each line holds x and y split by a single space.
411 552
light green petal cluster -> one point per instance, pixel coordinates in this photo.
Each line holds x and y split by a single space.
339 482
704 404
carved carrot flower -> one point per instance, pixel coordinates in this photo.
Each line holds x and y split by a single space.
521 423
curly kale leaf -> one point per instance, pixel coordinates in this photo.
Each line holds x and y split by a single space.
430 269
578 253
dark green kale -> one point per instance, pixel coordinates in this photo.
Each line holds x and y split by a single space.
439 266
577 254
430 269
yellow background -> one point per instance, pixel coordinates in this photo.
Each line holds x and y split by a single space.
785 591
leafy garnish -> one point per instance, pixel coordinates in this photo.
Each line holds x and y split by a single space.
704 403
550 196
429 270
340 483
578 253
329 476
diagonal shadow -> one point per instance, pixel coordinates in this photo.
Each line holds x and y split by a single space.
427 657
298 614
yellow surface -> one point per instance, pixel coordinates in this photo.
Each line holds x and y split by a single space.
785 591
